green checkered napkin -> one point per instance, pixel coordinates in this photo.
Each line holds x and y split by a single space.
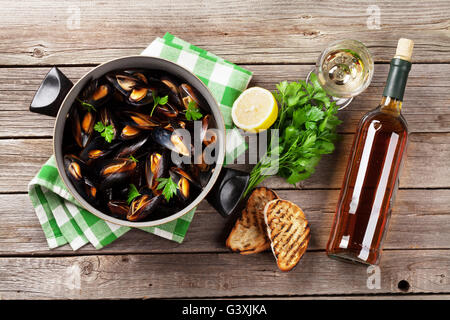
62 218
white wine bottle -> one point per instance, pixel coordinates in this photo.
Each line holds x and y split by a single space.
371 178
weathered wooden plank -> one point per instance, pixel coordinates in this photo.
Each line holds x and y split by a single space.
426 105
426 165
243 32
216 275
419 221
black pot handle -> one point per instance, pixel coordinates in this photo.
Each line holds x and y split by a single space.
51 93
227 192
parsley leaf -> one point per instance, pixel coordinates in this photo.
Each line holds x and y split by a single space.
106 132
89 107
192 112
133 158
169 187
132 193
158 101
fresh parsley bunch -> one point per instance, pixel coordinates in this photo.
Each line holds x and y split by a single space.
307 124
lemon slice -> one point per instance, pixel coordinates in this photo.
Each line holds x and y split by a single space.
255 110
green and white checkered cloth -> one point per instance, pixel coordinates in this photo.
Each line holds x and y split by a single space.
62 218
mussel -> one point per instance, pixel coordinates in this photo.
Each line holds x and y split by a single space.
90 190
134 86
75 168
118 208
77 172
155 168
174 91
171 140
95 94
129 132
106 119
132 147
83 122
142 206
183 173
183 185
118 170
188 94
167 110
98 148
140 120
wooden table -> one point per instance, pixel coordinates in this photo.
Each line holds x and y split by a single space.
277 40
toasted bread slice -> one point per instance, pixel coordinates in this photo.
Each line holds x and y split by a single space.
249 232
288 231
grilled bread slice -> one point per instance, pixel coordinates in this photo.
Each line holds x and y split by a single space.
249 232
288 231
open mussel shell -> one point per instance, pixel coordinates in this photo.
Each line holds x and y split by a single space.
129 132
142 206
117 171
118 208
140 120
172 141
78 172
82 122
96 94
167 110
134 86
171 89
188 94
75 168
183 173
91 190
174 125
156 166
183 186
98 148
107 119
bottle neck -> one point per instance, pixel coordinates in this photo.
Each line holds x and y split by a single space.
397 77
395 86
391 105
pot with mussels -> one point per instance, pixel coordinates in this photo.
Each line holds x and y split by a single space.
140 141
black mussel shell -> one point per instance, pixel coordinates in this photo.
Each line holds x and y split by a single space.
183 186
107 119
118 208
171 141
75 168
98 148
132 147
82 122
156 167
167 110
189 94
134 86
96 94
183 173
142 206
140 120
117 171
129 132
91 190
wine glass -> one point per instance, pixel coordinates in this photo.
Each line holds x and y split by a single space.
344 69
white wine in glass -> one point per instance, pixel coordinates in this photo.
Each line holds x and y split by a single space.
344 69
